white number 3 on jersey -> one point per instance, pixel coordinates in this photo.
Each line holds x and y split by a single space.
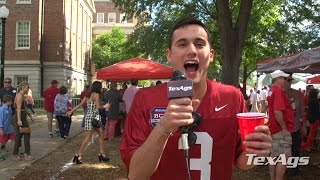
203 163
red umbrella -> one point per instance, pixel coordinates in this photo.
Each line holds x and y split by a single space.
135 68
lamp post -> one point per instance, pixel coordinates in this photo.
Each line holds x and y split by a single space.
4 13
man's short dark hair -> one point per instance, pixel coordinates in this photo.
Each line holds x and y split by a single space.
184 22
288 73
7 78
158 82
134 82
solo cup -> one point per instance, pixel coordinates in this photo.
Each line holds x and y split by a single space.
247 122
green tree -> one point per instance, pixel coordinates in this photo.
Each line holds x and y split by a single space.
244 31
109 48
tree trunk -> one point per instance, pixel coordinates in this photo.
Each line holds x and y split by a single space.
244 81
232 38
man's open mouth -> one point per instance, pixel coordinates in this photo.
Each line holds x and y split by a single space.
191 67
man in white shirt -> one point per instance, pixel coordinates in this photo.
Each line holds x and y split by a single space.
254 101
129 94
128 97
263 98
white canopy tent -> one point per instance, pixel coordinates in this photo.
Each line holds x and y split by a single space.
299 85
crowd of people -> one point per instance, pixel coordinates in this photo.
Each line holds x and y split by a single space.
13 119
107 106
293 116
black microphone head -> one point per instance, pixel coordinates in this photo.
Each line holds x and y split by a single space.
178 75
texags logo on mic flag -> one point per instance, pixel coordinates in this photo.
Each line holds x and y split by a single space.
181 88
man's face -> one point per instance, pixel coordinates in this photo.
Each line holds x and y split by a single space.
282 81
55 85
7 84
190 52
289 80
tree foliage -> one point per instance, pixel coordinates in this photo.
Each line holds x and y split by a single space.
244 32
109 48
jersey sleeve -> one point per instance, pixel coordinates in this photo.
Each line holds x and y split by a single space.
137 129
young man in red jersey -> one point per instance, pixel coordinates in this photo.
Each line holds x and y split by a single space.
147 148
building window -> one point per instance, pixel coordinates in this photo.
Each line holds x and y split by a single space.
112 18
20 79
100 18
23 1
23 35
123 18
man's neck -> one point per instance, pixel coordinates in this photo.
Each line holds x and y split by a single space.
200 90
278 85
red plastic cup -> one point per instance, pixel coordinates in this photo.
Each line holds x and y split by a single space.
247 122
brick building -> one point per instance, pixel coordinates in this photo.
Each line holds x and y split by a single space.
49 39
107 16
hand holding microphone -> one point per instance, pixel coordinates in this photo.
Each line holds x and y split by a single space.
179 109
178 114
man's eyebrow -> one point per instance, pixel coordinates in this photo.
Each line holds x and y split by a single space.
185 39
180 40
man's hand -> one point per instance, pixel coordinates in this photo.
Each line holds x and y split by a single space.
19 123
261 140
178 113
1 132
69 113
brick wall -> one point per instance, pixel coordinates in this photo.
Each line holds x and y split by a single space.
107 7
53 30
29 12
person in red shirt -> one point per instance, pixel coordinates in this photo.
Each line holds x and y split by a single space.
49 94
149 145
281 119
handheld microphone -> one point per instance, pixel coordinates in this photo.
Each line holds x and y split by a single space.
179 87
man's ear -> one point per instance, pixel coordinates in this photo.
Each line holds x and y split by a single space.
211 55
168 55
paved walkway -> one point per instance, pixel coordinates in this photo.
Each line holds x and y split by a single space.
41 145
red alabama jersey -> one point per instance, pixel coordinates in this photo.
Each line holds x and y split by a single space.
218 142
